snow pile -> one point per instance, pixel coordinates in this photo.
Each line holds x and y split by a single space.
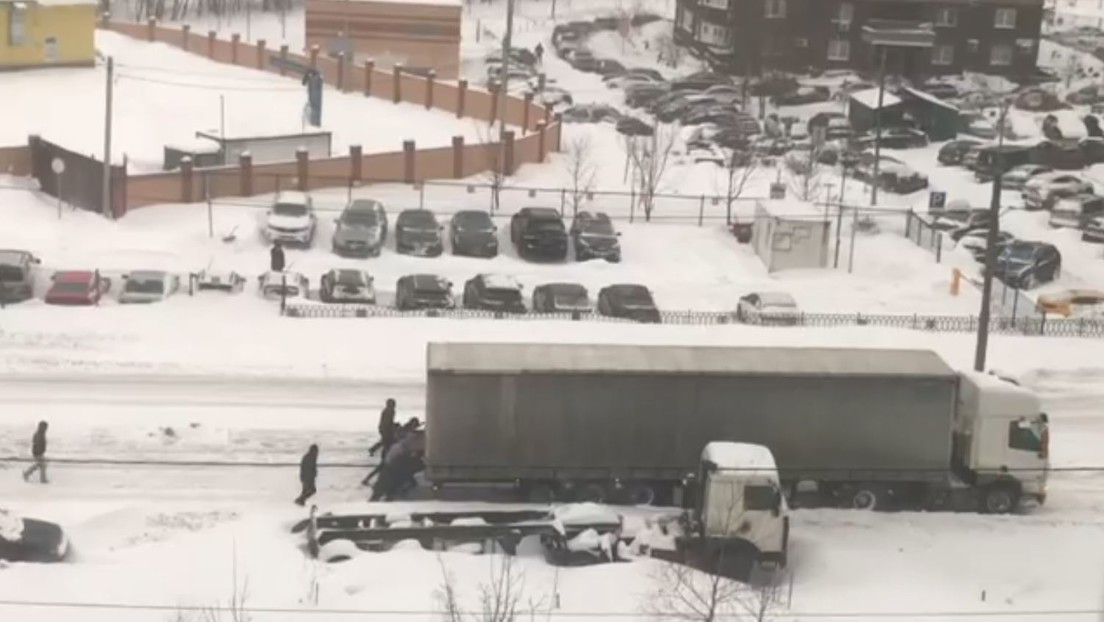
585 513
11 526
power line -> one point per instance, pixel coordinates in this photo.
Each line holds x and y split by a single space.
849 615
209 87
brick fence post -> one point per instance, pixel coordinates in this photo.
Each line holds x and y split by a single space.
457 157
314 49
430 79
185 36
461 98
187 173
369 69
283 59
508 152
211 34
396 83
559 130
541 144
548 115
408 161
151 29
261 45
235 41
341 72
525 113
494 105
356 157
245 173
302 168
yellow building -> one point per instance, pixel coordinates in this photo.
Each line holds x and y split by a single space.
47 33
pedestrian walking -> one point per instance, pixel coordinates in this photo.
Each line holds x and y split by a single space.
277 261
308 473
387 429
539 52
38 452
402 443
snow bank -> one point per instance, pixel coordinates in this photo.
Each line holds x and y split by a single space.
11 526
583 513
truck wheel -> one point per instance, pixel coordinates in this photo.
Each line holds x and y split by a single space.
641 494
591 492
1000 499
864 499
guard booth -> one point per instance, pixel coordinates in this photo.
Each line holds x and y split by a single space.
789 234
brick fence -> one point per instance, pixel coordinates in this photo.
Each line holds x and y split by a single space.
536 133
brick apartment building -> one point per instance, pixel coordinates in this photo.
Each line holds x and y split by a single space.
989 36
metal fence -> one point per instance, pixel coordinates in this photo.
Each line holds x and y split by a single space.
1034 326
924 234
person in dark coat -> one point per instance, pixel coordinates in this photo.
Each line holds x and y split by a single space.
277 261
308 473
399 445
387 429
38 452
538 52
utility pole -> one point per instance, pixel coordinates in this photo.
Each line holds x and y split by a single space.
878 128
991 245
506 41
108 104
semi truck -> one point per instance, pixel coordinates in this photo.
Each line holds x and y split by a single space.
626 424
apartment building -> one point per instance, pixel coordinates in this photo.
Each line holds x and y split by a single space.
920 38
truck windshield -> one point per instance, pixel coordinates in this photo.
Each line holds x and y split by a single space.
763 498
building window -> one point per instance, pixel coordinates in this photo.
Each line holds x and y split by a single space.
716 4
943 55
1000 55
1005 18
839 49
846 13
17 23
775 9
711 34
685 20
946 17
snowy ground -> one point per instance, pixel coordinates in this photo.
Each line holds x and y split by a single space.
156 82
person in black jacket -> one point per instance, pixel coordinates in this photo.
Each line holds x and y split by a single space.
387 429
276 257
308 473
38 452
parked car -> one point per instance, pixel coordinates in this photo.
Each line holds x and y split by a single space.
583 60
77 287
671 97
17 275
30 540
361 229
1076 212
473 233
729 90
423 291
1041 191
417 232
700 81
836 126
976 241
893 175
624 80
939 90
287 284
1065 154
1023 264
988 159
975 124
348 286
593 236
631 126
1073 303
493 292
608 67
642 94
553 96
803 95
561 298
219 280
718 114
520 55
896 138
953 153
1015 178
968 219
699 152
768 308
539 233
628 301
1093 231
143 286
291 219
591 113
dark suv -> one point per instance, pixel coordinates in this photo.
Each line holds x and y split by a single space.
593 236
539 233
493 292
1024 264
423 291
473 233
417 232
631 302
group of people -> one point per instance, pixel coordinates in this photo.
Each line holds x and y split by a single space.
402 452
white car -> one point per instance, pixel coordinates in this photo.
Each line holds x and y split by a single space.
348 286
1040 191
218 280
287 284
977 241
142 286
778 308
698 152
291 219
1017 176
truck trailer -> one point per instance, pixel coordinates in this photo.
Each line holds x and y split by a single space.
848 427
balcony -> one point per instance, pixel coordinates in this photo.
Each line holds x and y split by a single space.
899 33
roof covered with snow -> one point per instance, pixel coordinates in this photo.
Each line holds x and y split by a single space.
584 358
792 208
739 457
930 98
869 98
500 281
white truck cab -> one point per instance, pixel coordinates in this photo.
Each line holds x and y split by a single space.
740 507
1002 442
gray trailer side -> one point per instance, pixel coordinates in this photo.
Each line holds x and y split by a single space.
528 412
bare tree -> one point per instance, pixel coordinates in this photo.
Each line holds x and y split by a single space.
739 168
494 164
649 157
235 609
500 597
581 169
682 592
804 174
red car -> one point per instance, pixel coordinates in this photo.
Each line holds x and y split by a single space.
77 287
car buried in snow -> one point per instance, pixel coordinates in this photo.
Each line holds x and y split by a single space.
218 280
493 292
145 286
768 308
954 152
77 288
1017 177
275 285
347 286
561 298
1041 191
976 242
31 540
17 275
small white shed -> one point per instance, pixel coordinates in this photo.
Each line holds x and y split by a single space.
789 234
